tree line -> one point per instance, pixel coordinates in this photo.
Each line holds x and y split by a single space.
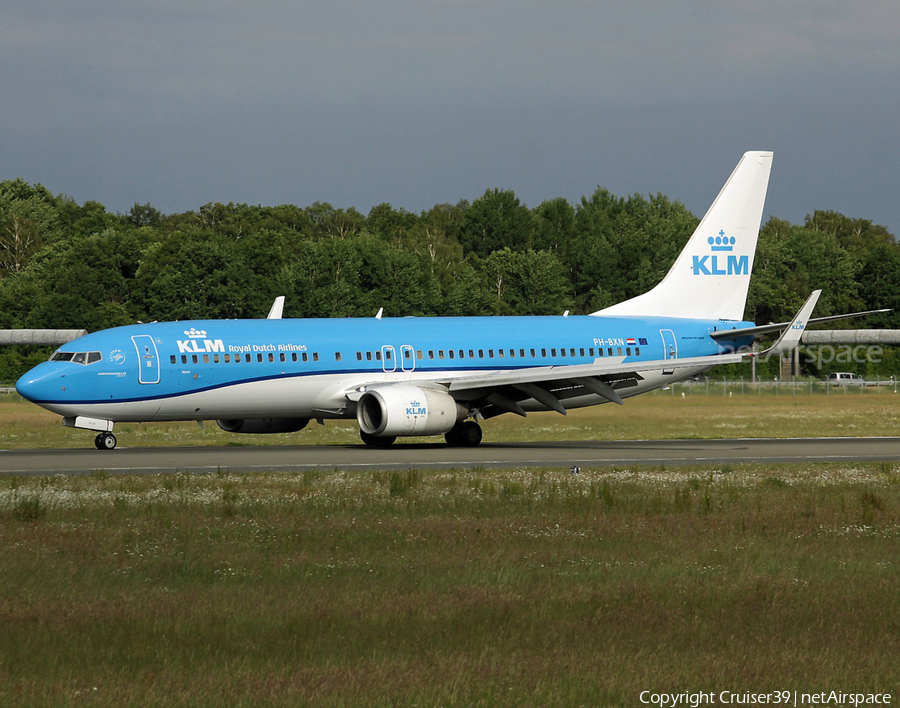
65 265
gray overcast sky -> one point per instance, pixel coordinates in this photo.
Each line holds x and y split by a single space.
417 102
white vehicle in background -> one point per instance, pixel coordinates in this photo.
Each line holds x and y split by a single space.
843 378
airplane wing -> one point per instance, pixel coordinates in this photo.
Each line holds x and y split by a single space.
501 391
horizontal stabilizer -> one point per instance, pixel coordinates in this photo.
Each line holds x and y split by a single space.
777 327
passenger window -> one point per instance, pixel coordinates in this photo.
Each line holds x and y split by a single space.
315 356
259 358
271 357
452 355
378 356
389 354
172 359
553 352
304 356
522 353
609 351
194 358
419 354
599 352
572 351
501 353
490 353
562 352
228 358
337 356
431 353
184 358
581 351
294 356
206 358
471 353
440 353
359 356
481 353
533 354
368 356
512 353
237 358
407 354
591 351
543 352
637 351
618 351
215 358
627 351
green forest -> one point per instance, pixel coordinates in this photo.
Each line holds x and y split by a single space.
65 265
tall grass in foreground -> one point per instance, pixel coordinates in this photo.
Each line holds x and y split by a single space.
459 588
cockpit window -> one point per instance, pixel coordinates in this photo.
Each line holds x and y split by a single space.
77 357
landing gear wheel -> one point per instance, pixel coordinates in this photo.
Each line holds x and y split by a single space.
376 441
466 434
471 434
105 441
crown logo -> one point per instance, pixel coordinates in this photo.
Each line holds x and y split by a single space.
195 333
722 242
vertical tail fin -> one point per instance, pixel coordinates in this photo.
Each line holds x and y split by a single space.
711 276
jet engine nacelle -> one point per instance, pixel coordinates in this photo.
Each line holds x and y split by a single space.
395 411
263 425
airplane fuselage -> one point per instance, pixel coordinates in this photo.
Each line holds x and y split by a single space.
212 369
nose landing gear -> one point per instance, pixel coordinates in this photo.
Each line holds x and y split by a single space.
105 441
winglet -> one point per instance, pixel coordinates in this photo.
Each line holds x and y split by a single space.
277 309
790 338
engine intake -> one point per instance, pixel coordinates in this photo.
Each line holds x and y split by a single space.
398 410
263 425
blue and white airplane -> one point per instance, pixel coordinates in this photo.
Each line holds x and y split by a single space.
424 376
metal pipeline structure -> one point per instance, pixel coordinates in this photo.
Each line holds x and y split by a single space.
39 337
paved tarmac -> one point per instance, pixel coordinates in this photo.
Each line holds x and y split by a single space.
125 460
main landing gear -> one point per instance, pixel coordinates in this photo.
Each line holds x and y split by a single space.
466 434
105 441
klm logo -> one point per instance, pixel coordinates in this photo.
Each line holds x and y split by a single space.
200 346
416 408
716 264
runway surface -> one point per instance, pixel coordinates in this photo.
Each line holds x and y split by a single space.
436 456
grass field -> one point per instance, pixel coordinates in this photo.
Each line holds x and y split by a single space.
460 588
682 412
457 588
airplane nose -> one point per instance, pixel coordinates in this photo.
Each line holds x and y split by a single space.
40 385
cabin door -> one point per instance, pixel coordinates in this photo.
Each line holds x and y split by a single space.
148 359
